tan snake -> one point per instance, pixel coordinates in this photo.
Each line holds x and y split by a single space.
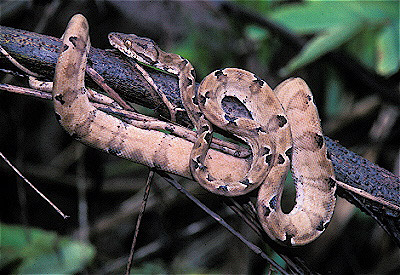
268 129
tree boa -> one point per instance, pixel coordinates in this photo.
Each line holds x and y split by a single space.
281 127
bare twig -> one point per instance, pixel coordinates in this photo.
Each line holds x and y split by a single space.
32 186
137 120
139 219
102 83
16 63
221 221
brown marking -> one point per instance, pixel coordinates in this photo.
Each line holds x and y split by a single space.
255 86
71 70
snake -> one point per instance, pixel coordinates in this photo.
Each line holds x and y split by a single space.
281 126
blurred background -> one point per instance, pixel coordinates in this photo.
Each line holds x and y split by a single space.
347 52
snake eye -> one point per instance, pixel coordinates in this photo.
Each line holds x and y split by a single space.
128 43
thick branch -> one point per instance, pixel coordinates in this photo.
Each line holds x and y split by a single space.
39 54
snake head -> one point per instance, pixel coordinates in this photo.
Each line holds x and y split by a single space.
140 48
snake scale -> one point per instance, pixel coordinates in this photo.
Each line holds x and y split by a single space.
282 129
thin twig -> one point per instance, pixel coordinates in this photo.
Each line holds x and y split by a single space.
368 196
16 63
25 91
139 219
221 221
32 186
137 120
110 91
236 207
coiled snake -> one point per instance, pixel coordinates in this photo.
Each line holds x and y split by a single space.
281 127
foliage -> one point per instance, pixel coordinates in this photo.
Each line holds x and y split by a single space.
38 251
368 30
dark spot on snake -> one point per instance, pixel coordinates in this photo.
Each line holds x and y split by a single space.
197 145
205 128
210 178
309 97
60 99
208 138
236 154
73 40
281 120
202 99
223 188
184 62
258 81
84 25
200 165
267 211
261 129
331 182
65 47
272 203
256 85
289 153
246 182
281 160
218 73
75 136
328 155
142 45
322 226
265 151
58 117
195 101
288 239
268 159
170 128
189 81
114 151
207 94
157 166
195 164
230 119
320 140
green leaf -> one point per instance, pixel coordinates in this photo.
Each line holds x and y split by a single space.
336 22
312 17
40 251
260 6
322 44
363 45
255 33
387 55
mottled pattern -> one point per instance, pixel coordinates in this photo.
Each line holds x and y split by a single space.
274 142
268 130
312 172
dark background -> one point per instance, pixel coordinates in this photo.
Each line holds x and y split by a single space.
102 193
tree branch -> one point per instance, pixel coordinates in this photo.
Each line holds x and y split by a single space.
38 53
